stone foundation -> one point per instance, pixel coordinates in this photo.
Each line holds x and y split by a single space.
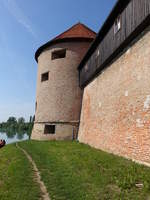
63 131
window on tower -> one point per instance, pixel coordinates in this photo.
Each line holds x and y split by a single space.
35 105
44 77
49 129
59 54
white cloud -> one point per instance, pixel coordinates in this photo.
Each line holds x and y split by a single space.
17 13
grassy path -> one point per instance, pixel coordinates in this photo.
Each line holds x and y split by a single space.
44 193
16 176
72 171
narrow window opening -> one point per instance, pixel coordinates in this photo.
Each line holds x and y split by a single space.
86 67
117 25
59 54
49 129
44 77
36 106
97 53
97 57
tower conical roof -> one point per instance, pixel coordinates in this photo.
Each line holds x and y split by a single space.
76 32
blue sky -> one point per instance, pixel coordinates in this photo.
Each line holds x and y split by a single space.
24 26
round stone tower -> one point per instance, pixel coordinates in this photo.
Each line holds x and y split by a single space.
58 99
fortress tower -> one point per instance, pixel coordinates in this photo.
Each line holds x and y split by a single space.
58 99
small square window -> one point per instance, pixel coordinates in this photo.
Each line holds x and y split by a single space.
59 54
49 129
44 77
117 25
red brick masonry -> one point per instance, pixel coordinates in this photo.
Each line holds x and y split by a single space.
115 113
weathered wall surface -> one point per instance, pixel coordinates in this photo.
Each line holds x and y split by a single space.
59 98
116 105
63 132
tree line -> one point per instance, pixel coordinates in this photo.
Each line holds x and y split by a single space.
14 125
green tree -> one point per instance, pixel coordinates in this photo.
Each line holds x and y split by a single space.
21 120
12 120
30 120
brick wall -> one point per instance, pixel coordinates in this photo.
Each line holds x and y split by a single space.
59 98
115 113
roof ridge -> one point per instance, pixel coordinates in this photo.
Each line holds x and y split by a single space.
79 23
87 28
66 30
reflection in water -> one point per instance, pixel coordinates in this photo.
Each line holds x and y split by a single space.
11 137
20 136
10 133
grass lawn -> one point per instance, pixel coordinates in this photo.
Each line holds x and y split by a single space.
73 171
16 176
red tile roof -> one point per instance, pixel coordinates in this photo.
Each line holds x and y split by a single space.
77 31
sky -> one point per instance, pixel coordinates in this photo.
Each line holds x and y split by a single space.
24 26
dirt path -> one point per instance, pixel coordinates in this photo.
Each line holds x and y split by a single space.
45 195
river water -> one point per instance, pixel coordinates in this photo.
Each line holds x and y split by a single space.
11 138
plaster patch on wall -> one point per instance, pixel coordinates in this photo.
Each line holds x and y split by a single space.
100 104
86 67
138 77
147 103
128 51
128 135
126 93
139 123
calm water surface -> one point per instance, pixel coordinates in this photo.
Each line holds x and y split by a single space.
11 138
